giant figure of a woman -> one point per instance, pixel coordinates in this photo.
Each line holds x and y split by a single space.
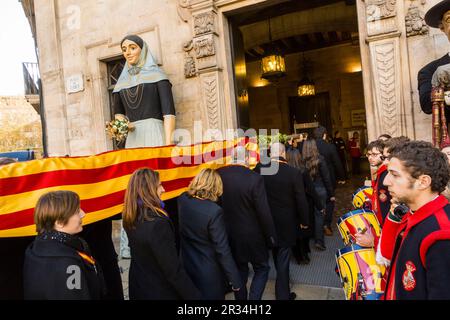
144 94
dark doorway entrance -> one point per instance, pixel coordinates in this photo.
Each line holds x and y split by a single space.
307 110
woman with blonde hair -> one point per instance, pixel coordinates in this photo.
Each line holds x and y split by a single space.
204 242
58 264
155 271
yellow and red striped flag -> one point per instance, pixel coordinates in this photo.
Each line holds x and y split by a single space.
101 180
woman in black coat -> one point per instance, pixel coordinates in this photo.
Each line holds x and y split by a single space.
316 166
204 242
58 264
155 270
301 250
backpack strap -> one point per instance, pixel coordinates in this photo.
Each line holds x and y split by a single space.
432 238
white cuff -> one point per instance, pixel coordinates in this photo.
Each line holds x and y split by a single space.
379 257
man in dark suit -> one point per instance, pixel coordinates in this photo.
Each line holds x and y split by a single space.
329 152
289 208
249 223
438 71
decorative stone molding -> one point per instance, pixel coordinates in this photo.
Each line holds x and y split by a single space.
414 22
381 17
380 9
386 76
204 47
190 69
204 23
183 10
209 88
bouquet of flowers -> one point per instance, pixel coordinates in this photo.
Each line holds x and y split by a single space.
119 127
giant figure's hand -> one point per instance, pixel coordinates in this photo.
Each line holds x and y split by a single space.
169 128
441 76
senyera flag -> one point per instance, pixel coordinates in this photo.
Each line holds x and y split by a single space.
101 180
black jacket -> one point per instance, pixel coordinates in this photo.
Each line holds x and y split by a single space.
313 198
204 247
329 152
287 201
12 251
420 267
314 201
424 82
247 214
99 238
324 177
156 272
54 270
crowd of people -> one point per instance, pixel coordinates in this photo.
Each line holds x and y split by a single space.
234 217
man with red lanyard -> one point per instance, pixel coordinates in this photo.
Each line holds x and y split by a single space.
381 199
420 266
391 223
380 196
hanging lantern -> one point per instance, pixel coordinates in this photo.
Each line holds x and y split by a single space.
273 66
306 88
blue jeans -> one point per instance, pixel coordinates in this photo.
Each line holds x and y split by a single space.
318 215
261 274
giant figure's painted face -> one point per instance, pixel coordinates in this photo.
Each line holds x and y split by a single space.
445 24
131 51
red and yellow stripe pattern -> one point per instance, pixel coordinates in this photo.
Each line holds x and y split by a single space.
101 180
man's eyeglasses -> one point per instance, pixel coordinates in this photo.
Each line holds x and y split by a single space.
382 158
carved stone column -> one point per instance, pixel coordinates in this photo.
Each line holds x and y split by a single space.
51 69
206 47
386 75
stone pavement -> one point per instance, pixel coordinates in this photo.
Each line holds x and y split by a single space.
303 291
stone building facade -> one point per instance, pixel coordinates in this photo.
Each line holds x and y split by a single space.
191 41
20 127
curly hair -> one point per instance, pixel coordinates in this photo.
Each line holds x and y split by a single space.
395 143
421 158
377 144
384 137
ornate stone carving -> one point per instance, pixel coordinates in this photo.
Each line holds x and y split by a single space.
203 23
380 9
189 66
190 69
212 105
386 71
414 21
183 11
204 47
